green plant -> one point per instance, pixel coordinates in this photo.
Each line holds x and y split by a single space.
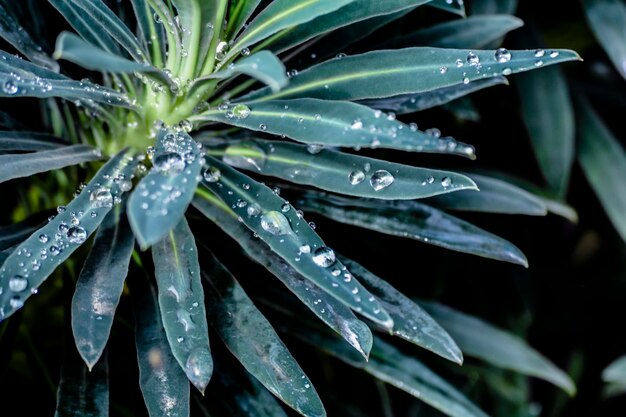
171 89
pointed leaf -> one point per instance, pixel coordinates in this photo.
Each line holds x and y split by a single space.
27 164
336 315
181 301
607 19
615 373
100 284
193 16
239 13
251 338
403 71
277 224
333 123
162 197
452 6
410 321
28 141
479 339
493 6
15 233
341 172
61 236
417 221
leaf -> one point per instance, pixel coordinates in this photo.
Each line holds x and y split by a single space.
283 14
100 284
403 71
411 322
493 6
355 11
263 66
340 172
62 235
289 236
452 6
181 301
163 383
481 340
83 392
603 161
28 141
615 373
20 39
334 314
324 122
409 103
15 233
193 16
495 196
549 116
162 197
26 164
607 19
250 338
416 221
239 13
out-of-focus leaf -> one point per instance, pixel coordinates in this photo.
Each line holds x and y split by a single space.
336 315
607 19
615 372
250 337
334 123
278 224
604 163
28 141
162 197
24 271
493 6
15 233
181 301
100 284
26 164
453 6
341 172
417 221
403 71
479 339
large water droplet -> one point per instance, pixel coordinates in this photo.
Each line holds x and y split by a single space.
473 59
245 156
168 162
275 223
446 181
381 179
18 283
241 111
9 87
76 235
503 55
101 197
324 257
356 177
221 50
198 368
212 174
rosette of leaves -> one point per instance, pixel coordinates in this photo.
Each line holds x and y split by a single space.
181 103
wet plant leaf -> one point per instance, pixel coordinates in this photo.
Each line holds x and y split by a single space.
607 19
28 141
240 12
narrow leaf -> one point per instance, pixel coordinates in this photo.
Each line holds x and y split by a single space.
239 13
251 338
277 224
15 233
324 122
615 373
193 16
452 6
411 322
100 284
341 172
24 271
403 71
181 301
479 339
607 19
28 141
417 221
162 197
334 314
27 164
493 6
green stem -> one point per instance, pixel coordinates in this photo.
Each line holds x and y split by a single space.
191 61
209 63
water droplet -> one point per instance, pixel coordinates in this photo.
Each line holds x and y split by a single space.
168 162
241 111
245 51
381 179
263 127
446 181
503 55
43 238
16 302
253 210
54 250
443 70
473 59
540 53
9 87
466 80
304 249
185 126
507 71
275 223
539 63
221 50
245 156
357 124
324 257
554 54
198 367
458 63
101 197
356 177
76 235
314 149
212 174
18 283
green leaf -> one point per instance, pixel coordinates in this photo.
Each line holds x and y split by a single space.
340 172
239 13
100 284
263 66
15 233
23 271
26 164
410 103
83 392
20 39
277 223
162 197
452 6
193 16
615 373
549 116
181 301
417 221
481 340
283 14
324 122
28 141
607 19
493 6
334 314
403 71
163 383
355 11
251 338
411 322
603 161
495 196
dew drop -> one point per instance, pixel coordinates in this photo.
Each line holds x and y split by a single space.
324 257
9 87
356 177
43 238
275 223
18 283
473 59
241 111
101 197
168 162
540 53
381 179
16 302
221 50
357 124
446 181
503 55
76 235
212 174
